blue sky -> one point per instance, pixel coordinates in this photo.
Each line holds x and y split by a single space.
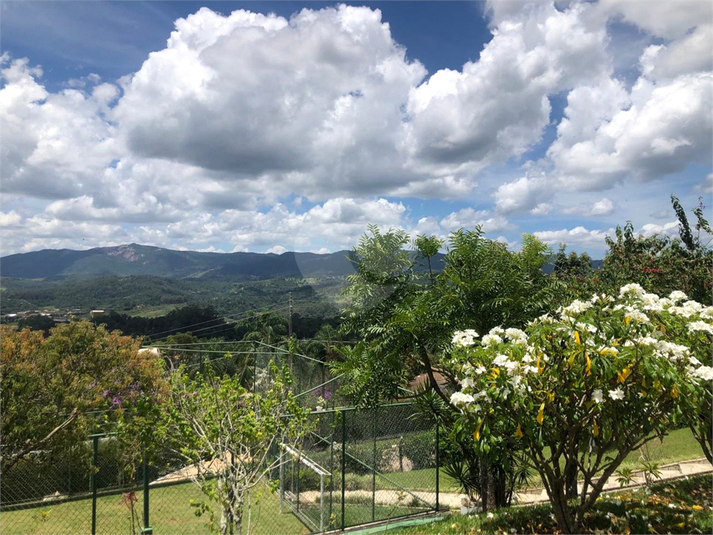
292 125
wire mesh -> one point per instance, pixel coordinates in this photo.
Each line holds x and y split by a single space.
354 467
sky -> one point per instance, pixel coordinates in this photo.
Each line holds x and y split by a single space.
275 126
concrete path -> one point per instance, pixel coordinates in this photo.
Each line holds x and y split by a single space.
456 501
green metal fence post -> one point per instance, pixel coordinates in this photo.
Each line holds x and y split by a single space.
146 530
95 450
373 474
438 468
344 460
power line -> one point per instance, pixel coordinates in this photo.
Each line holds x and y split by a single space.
248 315
215 319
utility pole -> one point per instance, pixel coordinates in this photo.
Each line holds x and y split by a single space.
289 316
289 331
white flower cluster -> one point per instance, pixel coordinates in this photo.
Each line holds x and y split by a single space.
575 308
687 309
465 338
644 313
459 399
704 372
700 326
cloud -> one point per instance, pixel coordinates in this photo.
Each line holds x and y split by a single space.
707 185
525 193
668 229
579 236
277 249
664 19
52 142
10 219
497 107
309 104
603 206
692 53
543 208
660 128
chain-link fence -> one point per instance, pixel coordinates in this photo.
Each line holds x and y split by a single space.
357 467
354 467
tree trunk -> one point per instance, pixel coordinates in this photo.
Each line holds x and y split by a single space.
563 514
487 486
571 475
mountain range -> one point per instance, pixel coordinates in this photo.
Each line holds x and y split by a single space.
134 259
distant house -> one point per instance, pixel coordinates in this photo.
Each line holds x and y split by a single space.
96 313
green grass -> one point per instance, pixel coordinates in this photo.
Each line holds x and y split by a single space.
679 445
681 506
170 513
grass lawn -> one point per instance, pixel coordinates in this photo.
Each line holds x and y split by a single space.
679 445
681 506
171 513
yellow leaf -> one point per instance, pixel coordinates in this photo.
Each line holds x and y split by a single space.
577 338
623 374
551 397
627 319
541 414
674 392
589 366
495 373
476 435
595 429
518 433
697 508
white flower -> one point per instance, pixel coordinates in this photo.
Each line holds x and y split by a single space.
516 336
701 326
575 308
677 295
497 330
459 398
529 369
598 396
500 360
480 370
670 350
467 382
491 339
632 289
707 313
490 515
464 338
527 358
704 372
616 394
636 315
511 366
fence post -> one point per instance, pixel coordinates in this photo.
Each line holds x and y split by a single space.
146 530
373 474
344 460
438 467
95 451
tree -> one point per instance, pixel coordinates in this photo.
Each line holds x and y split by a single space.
661 264
231 437
50 385
581 389
406 319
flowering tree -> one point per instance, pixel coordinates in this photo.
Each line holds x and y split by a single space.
581 389
230 437
54 387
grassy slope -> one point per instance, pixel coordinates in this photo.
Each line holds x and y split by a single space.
681 506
